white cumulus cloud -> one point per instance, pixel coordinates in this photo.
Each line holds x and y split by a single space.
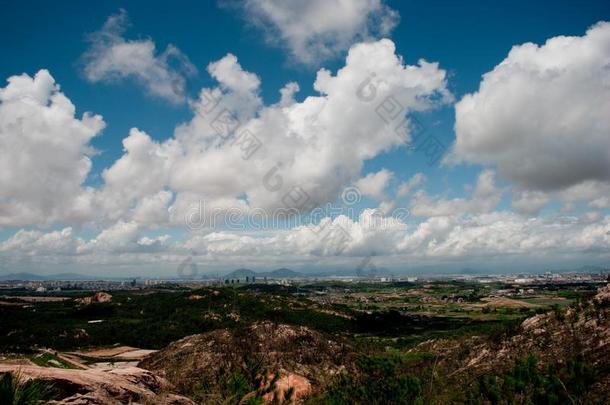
316 30
318 145
485 198
542 115
111 57
374 184
44 153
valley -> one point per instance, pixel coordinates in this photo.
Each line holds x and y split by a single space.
313 342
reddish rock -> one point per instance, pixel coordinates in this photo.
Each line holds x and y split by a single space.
102 386
301 388
97 298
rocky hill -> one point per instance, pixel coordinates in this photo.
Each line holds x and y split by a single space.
557 346
562 356
97 298
101 386
295 357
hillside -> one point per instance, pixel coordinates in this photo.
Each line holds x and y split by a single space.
324 344
100 386
200 365
278 273
559 356
241 274
283 273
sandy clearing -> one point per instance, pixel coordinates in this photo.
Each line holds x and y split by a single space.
137 354
107 352
119 353
28 298
507 303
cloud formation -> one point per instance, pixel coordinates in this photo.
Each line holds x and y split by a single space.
315 147
485 198
44 153
406 187
500 235
374 184
317 30
241 156
542 115
111 57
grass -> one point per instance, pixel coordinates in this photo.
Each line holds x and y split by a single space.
153 320
399 319
47 359
16 390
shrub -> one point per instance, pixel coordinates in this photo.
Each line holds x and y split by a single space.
15 390
380 381
526 383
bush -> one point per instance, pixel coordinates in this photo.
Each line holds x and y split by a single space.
15 390
526 383
380 380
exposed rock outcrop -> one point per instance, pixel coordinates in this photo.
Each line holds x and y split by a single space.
303 357
603 296
97 298
97 386
300 386
580 331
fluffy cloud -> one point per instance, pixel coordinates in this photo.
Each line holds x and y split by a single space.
596 193
485 197
342 240
320 29
529 202
37 243
111 57
44 152
506 234
341 236
310 149
541 115
238 155
374 184
406 187
123 237
136 178
307 151
121 244
228 72
154 209
287 92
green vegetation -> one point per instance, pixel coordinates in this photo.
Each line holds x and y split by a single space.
386 327
47 359
250 382
526 383
151 320
14 390
154 320
400 379
381 380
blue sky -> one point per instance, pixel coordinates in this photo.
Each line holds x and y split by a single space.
466 39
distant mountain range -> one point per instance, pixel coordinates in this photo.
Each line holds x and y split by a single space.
278 273
367 270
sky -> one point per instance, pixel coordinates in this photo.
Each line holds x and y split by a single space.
146 138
